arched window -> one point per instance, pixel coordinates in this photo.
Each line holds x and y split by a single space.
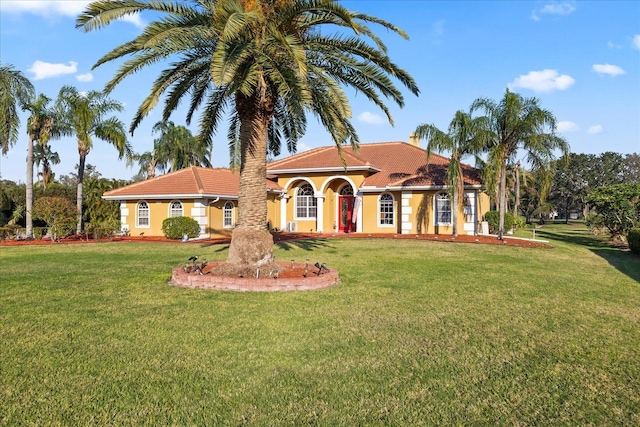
306 205
227 214
176 209
385 210
443 209
142 214
346 190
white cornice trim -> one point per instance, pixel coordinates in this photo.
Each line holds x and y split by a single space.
319 170
414 188
179 196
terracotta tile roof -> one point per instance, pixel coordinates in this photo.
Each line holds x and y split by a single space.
391 164
319 158
194 181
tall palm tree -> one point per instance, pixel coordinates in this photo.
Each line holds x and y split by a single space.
519 123
85 118
16 91
267 63
465 136
177 148
42 125
42 154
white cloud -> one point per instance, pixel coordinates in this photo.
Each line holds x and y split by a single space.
45 8
371 118
561 8
567 126
84 77
51 8
595 129
612 70
45 70
543 81
134 19
438 27
636 41
612 45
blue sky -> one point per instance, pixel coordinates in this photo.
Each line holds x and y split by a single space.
581 59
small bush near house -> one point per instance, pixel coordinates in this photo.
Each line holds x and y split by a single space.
104 229
520 222
493 218
175 228
634 240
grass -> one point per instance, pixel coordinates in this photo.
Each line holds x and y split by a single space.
418 333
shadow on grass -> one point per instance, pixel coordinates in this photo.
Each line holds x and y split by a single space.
287 245
624 261
621 259
305 245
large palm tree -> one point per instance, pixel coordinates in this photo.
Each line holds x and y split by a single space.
16 91
85 118
465 136
176 148
519 123
42 125
266 63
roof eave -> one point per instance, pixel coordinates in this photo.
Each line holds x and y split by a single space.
371 189
327 169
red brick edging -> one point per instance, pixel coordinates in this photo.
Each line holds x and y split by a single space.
247 284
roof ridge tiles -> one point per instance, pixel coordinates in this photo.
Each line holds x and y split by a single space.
196 176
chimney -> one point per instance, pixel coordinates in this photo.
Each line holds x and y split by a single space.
414 140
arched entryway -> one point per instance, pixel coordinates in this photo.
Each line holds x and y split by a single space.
346 203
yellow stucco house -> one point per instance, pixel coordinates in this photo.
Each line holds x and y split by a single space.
381 188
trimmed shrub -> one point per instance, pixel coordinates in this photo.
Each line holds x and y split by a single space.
519 222
493 218
58 213
103 229
39 232
9 232
175 228
634 240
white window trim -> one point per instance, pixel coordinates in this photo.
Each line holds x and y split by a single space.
295 204
435 210
393 206
170 213
224 208
138 225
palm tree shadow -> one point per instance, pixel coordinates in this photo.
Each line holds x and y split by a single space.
306 245
619 258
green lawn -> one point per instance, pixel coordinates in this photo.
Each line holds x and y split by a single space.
418 333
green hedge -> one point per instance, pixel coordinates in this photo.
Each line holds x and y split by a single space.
634 240
103 229
175 228
493 218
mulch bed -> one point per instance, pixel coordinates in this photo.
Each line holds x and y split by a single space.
284 237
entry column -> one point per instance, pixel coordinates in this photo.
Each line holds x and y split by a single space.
319 213
283 212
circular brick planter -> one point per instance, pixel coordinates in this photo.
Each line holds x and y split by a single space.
285 281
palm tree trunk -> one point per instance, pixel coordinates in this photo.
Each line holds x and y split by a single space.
29 191
517 190
502 204
251 243
79 193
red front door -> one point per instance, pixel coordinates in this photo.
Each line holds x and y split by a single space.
345 204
